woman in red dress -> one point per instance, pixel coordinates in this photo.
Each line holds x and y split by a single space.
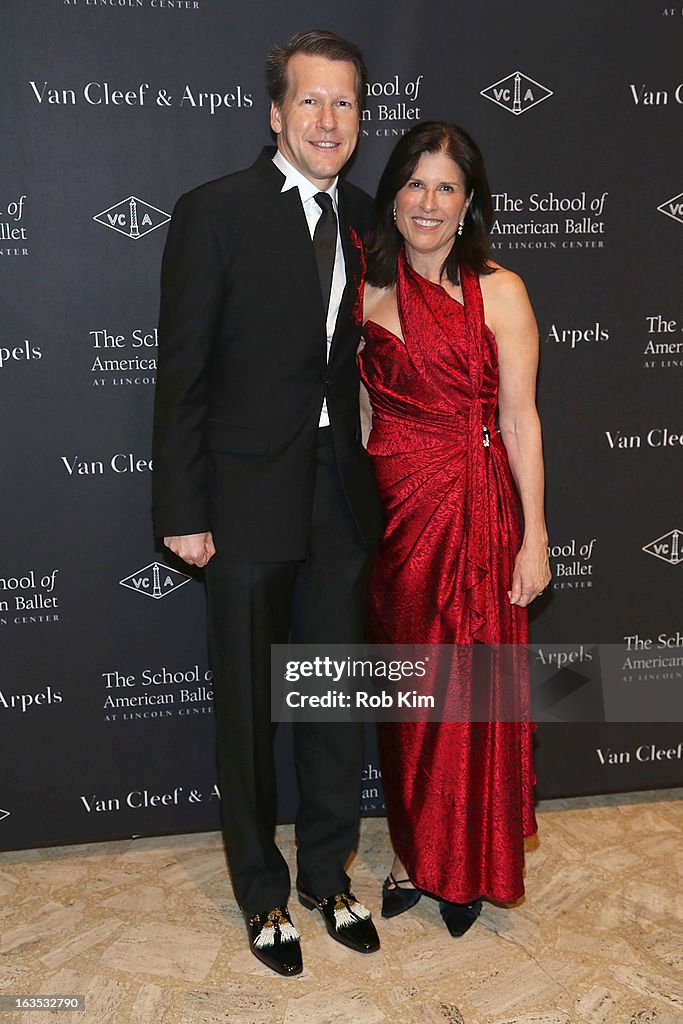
449 365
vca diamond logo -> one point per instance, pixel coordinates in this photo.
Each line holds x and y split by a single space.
3 814
132 217
673 208
516 93
156 580
669 547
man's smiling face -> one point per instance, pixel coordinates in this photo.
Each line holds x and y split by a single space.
318 121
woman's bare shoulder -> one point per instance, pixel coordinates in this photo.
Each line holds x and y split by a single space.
507 309
503 285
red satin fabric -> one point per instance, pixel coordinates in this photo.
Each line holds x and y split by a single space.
459 796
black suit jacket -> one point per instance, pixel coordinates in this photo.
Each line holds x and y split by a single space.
242 368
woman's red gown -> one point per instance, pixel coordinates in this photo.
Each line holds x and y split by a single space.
459 794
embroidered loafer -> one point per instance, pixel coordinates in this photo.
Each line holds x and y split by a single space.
346 920
274 940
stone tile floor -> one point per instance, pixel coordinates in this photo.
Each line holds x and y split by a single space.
148 931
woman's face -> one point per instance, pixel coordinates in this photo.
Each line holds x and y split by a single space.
431 205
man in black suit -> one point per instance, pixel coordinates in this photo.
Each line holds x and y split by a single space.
260 474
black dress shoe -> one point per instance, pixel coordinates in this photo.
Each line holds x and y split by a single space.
396 900
274 940
346 920
459 917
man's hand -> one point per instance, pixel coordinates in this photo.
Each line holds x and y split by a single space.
193 548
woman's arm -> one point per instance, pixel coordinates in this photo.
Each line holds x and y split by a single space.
371 298
365 415
511 318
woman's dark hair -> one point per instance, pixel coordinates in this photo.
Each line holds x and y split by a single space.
470 248
317 43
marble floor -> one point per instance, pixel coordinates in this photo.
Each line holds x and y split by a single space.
148 932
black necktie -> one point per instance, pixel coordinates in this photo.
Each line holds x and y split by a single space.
325 243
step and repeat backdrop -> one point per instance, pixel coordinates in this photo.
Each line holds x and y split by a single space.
110 110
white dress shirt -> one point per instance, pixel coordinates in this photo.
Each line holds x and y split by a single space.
307 191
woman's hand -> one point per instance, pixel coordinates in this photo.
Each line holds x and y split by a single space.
531 574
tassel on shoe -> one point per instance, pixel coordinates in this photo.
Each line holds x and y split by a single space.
277 923
288 932
347 910
360 911
266 937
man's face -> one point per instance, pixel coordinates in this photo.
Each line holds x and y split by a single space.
317 123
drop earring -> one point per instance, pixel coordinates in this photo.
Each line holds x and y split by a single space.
460 227
394 214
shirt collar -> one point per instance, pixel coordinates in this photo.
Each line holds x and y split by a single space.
295 179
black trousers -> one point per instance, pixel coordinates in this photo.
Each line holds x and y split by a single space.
252 605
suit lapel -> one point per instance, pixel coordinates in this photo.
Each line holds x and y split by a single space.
288 230
352 265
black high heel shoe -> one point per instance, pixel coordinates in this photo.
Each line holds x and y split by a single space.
396 900
459 917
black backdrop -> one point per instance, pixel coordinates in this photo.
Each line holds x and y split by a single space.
110 110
